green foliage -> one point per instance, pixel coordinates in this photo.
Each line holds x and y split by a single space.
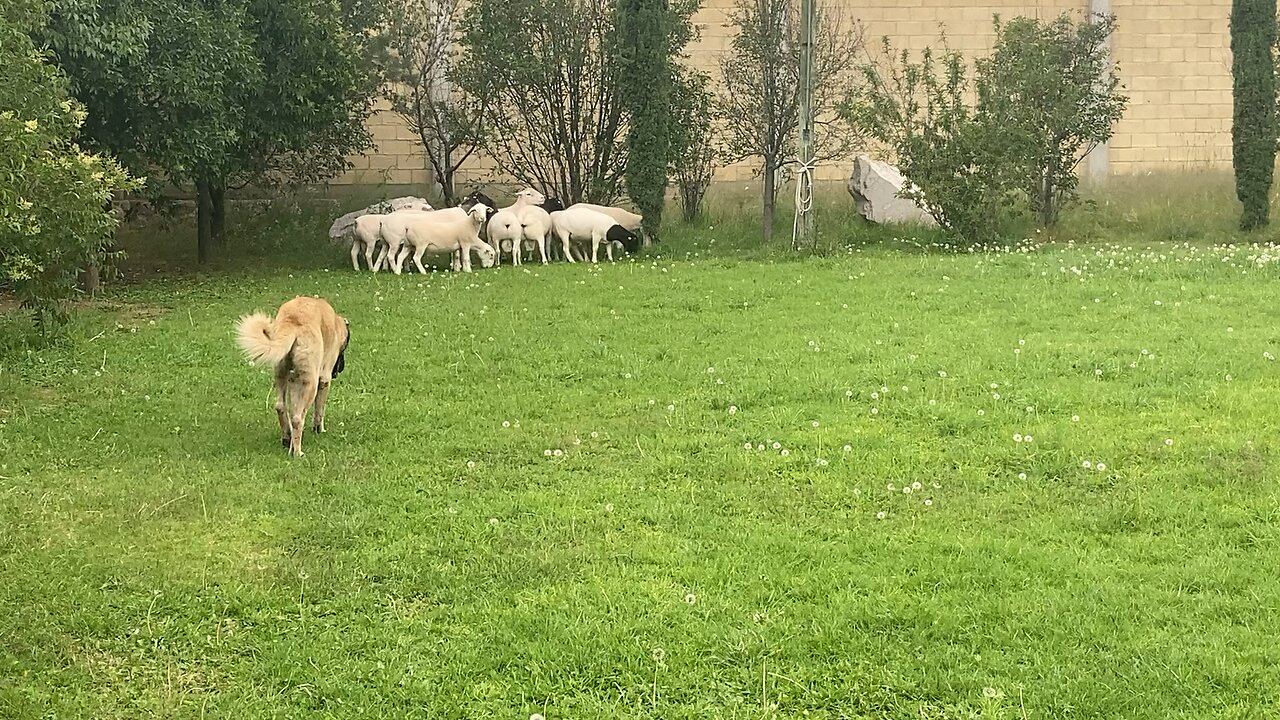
1253 128
757 104
647 80
54 213
953 160
450 122
693 143
219 94
981 152
1051 88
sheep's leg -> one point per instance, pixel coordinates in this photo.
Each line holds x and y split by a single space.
455 260
517 249
564 240
542 248
417 259
608 249
595 248
382 255
355 255
398 252
466 259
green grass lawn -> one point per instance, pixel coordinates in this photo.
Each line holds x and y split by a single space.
884 485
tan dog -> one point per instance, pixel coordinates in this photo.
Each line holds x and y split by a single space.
306 342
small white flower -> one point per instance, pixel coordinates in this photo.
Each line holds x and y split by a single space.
990 692
1097 372
1168 441
937 486
733 409
557 452
890 487
1102 466
1086 465
848 393
671 408
995 396
875 411
1075 418
1027 438
928 502
506 423
917 485
847 448
760 446
1030 409
536 716
493 521
881 515
777 445
595 434
711 371
815 423
942 373
690 598
747 446
906 490
627 376
608 507
933 402
1022 476
995 386
785 452
547 452
471 464
1017 437
982 412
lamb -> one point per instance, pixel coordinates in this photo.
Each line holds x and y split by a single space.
446 234
584 223
395 227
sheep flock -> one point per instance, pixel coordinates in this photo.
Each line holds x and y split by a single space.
534 227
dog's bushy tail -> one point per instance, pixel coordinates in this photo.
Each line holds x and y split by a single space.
259 339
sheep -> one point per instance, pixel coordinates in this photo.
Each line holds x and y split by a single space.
625 218
395 226
582 223
368 231
446 234
344 228
507 226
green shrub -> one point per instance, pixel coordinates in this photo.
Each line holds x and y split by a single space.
1253 127
54 218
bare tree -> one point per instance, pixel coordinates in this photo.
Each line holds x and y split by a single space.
758 102
422 52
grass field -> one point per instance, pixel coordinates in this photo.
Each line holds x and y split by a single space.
884 484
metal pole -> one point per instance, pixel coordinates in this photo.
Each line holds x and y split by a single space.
804 233
1099 159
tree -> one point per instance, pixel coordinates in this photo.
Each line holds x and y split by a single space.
219 94
559 121
758 104
647 79
1051 88
1253 127
54 212
449 121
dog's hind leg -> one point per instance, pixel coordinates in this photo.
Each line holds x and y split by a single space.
317 415
302 392
282 410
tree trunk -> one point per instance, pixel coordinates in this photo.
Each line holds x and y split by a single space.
204 220
770 196
218 221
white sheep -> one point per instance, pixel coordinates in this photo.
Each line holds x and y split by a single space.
587 224
535 224
506 229
434 233
625 218
345 227
395 227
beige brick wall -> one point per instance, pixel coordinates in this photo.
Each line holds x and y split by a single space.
1173 56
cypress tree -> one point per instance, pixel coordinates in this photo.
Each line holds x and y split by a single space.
1253 84
648 76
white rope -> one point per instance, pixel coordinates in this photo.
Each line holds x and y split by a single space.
804 198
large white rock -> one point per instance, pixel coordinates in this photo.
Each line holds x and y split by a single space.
341 229
874 186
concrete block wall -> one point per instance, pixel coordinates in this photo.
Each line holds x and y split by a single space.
1173 56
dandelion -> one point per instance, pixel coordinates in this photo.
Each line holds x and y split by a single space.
1098 372
815 423
875 411
995 386
937 486
557 452
1027 438
671 408
906 490
1022 342
747 446
890 487
981 412
608 507
690 598
1017 437
990 692
1102 467
493 521
536 716
777 445
733 409
942 373
760 446
1086 465
821 462
547 452
875 396
658 654
1168 441
1030 409
785 452
1022 476
711 371
1268 356
917 485
471 464
653 402
928 502
995 396
627 376
847 448
1075 418
848 393
933 402
594 434
506 423
885 388
881 515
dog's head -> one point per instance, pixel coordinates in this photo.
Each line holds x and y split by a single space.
341 364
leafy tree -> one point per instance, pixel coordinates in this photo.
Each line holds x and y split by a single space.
449 121
552 79
758 103
1050 86
54 218
1253 128
647 77
222 93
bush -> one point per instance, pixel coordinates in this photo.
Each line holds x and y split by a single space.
54 219
1044 98
693 154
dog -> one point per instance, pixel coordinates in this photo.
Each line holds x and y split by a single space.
307 343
